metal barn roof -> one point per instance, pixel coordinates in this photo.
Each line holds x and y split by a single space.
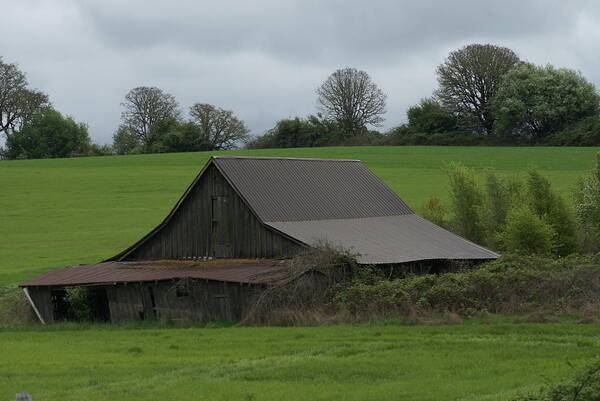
387 239
279 189
233 270
343 203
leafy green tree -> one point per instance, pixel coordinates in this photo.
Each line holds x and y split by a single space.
550 207
501 196
535 101
587 203
300 132
526 233
126 142
468 80
48 134
182 137
466 203
429 116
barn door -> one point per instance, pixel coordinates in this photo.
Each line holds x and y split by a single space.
221 224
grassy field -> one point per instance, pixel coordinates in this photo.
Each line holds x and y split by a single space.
69 211
61 212
472 362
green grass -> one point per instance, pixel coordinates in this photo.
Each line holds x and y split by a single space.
68 211
61 212
473 361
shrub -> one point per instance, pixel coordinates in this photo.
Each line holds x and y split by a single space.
501 195
79 302
550 207
509 285
466 203
583 133
434 211
587 204
14 307
525 233
584 387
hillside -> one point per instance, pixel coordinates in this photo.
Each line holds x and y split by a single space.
69 211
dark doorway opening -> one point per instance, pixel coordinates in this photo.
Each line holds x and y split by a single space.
100 311
61 310
96 300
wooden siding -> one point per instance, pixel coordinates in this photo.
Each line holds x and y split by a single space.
213 221
198 300
42 298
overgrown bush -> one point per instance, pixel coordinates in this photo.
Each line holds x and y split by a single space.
480 214
583 387
433 210
583 133
466 200
550 207
305 297
510 285
14 306
79 303
527 234
587 205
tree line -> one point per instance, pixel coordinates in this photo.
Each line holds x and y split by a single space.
486 95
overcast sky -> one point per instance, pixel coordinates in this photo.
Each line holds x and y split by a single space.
264 59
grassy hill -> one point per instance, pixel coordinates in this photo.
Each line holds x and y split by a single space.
60 212
70 211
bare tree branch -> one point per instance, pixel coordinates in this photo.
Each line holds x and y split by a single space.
470 77
352 99
219 128
145 107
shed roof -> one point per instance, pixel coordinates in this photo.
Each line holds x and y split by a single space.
232 270
386 239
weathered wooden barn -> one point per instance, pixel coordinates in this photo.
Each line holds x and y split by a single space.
226 239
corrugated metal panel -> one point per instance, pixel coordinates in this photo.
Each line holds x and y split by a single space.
239 271
389 239
280 189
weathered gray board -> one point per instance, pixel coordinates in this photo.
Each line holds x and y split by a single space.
213 221
198 300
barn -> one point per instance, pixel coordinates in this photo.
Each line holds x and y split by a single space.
228 236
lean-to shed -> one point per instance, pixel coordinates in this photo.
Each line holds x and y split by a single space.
255 210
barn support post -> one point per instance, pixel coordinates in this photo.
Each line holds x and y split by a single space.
35 309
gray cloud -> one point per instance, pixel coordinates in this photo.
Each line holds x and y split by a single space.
264 59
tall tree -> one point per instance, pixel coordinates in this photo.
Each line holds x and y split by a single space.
218 128
468 80
351 98
48 134
145 107
17 102
534 101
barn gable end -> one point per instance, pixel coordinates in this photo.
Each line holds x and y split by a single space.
211 221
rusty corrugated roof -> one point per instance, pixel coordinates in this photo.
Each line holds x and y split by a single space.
282 189
234 270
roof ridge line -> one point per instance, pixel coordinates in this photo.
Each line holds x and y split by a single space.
341 218
283 158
